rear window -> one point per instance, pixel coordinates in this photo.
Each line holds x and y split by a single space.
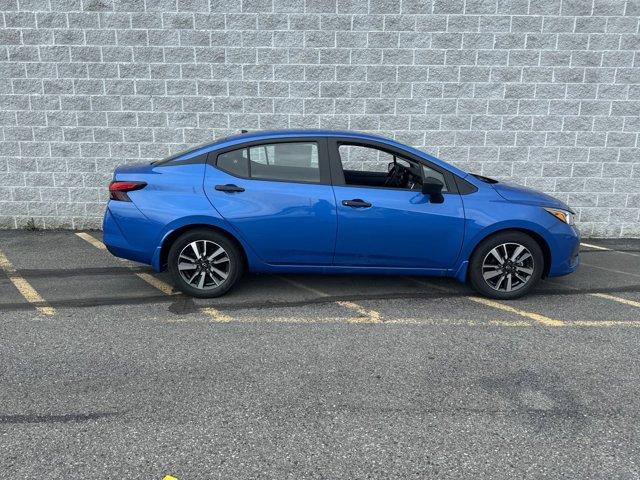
291 161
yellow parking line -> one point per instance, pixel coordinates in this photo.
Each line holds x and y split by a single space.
24 287
157 283
147 277
364 315
302 286
550 322
214 314
92 240
626 301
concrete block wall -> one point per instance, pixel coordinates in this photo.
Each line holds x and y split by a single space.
541 92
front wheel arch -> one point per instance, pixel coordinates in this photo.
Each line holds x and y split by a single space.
542 243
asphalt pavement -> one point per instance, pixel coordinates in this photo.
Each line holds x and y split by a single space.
105 372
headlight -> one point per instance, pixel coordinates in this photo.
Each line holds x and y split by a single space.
562 215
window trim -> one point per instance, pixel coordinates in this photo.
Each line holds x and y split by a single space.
337 172
323 164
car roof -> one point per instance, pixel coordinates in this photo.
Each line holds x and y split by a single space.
259 135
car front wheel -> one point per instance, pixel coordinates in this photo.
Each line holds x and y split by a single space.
506 265
204 263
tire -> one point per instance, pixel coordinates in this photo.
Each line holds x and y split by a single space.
499 274
216 271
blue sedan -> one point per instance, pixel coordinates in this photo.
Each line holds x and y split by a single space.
320 201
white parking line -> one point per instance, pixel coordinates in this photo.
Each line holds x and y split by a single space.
610 269
604 249
594 246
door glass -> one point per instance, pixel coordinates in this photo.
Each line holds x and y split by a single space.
235 162
296 162
373 167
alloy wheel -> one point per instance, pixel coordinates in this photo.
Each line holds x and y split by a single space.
508 267
204 264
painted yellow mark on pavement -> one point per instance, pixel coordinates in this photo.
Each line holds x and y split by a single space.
550 322
216 315
626 301
613 298
147 277
24 287
169 477
364 315
157 283
92 240
302 286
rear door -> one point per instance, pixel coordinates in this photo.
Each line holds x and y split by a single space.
394 227
277 196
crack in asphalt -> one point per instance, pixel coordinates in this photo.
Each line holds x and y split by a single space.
64 418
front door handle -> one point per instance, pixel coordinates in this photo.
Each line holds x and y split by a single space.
229 188
356 203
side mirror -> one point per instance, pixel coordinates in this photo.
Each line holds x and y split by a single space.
433 187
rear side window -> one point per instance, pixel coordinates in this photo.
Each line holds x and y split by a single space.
293 161
235 162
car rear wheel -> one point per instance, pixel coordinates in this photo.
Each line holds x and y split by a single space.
204 263
507 265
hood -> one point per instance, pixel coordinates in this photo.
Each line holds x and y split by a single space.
520 194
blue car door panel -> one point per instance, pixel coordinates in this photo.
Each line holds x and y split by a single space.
380 227
284 222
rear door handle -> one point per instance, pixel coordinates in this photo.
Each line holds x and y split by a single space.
356 203
229 188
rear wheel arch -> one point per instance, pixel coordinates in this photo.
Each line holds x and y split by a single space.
542 243
175 234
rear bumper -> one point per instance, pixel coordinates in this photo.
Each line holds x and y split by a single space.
114 238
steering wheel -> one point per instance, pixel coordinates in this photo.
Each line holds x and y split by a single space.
397 176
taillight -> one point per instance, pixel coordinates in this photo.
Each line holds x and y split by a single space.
118 189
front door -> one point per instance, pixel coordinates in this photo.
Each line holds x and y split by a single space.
388 222
278 198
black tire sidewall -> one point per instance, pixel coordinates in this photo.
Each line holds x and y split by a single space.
235 258
475 265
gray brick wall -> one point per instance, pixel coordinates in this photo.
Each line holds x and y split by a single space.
542 92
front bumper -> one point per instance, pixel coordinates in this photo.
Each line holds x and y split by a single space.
565 254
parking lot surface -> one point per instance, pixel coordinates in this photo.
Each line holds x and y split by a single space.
106 372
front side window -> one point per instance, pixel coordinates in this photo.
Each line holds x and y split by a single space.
293 161
373 167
